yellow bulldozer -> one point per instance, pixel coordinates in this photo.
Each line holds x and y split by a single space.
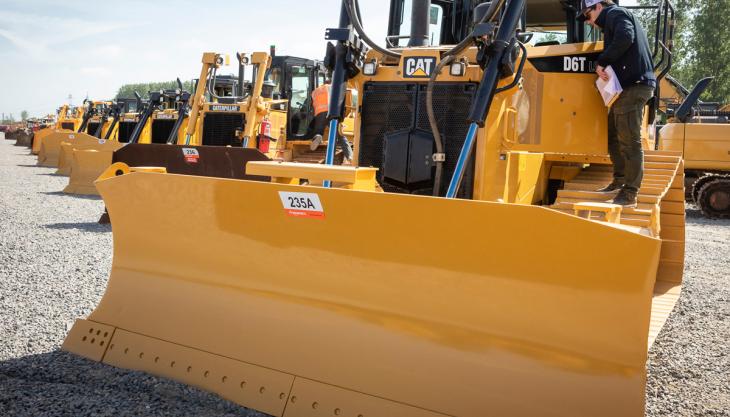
155 120
69 119
463 266
701 132
94 120
232 117
103 137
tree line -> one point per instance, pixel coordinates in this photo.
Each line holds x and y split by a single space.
701 45
127 90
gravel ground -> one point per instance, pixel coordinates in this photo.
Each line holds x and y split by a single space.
55 260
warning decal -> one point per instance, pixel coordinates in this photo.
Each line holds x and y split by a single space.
302 204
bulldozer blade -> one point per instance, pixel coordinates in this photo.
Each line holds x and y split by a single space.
50 147
65 155
206 161
304 301
42 134
39 137
23 139
86 166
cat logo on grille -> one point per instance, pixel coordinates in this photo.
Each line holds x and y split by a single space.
418 66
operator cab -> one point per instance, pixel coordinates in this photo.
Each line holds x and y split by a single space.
294 80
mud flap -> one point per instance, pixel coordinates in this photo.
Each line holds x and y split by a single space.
290 298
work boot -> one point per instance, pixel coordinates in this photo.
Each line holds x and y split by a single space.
615 185
625 198
316 141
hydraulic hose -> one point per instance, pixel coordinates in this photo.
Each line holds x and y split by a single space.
485 93
352 6
434 126
447 58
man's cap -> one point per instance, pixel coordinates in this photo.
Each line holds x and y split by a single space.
584 6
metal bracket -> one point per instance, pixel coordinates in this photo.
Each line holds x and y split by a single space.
439 157
337 34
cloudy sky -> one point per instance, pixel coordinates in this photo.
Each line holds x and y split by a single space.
50 49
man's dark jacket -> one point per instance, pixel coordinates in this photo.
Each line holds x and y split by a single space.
625 47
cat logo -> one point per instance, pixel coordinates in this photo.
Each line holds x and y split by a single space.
418 66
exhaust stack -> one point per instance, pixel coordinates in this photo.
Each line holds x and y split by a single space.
420 13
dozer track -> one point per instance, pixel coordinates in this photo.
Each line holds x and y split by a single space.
659 212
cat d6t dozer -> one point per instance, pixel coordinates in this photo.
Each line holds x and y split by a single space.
218 136
91 128
463 267
272 113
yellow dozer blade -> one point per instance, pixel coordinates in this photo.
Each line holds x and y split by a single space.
86 166
304 301
50 147
41 135
85 143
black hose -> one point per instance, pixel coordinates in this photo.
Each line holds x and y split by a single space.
351 6
434 126
445 60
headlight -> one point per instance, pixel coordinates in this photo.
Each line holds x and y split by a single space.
457 69
370 67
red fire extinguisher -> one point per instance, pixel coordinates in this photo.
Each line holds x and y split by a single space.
264 136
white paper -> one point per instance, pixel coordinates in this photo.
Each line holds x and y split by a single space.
610 89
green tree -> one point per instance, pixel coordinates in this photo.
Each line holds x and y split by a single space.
708 50
24 115
127 90
700 48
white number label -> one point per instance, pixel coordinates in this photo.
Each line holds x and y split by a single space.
302 204
191 155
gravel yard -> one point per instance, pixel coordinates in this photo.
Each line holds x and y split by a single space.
55 260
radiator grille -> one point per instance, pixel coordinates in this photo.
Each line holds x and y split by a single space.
125 131
91 128
391 107
219 129
161 130
67 125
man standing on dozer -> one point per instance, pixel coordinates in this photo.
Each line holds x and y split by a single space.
626 50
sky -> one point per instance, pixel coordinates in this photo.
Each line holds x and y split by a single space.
52 49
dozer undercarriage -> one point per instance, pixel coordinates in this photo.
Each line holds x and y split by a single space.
464 266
